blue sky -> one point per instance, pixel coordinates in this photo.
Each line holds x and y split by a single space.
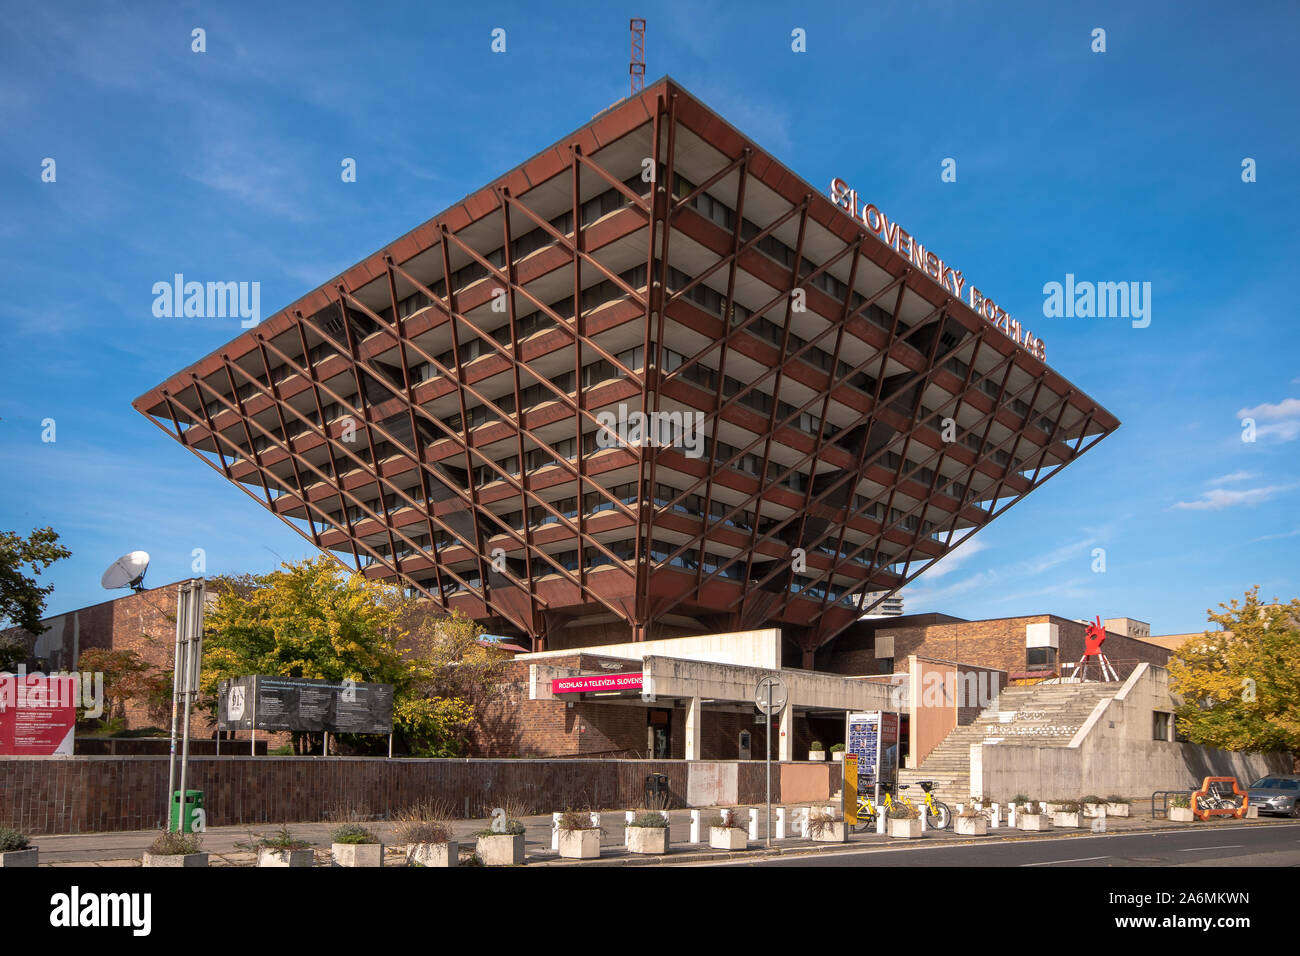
1116 166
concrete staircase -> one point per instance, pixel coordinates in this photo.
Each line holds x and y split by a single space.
1041 715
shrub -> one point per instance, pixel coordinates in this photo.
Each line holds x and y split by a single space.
727 818
173 843
284 750
650 819
282 840
576 820
901 811
1180 800
816 746
12 840
1091 798
1117 799
1019 799
837 748
421 831
353 833
512 827
1066 806
821 822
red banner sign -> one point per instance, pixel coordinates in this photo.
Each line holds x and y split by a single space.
596 682
37 715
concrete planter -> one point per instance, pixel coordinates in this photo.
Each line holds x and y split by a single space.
579 844
1252 813
357 854
437 855
1094 809
1117 809
501 849
172 859
266 856
835 833
1033 821
905 829
647 840
1181 814
1074 820
816 755
29 856
972 826
728 838
837 756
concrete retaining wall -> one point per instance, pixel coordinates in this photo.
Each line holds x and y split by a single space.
1114 752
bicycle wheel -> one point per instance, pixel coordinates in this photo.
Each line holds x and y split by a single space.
940 816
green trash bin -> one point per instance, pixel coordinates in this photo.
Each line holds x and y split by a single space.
193 806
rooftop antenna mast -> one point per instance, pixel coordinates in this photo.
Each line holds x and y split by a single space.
637 67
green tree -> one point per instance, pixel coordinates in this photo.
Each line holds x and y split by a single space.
1241 684
312 619
22 600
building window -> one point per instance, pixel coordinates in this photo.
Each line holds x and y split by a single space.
1160 725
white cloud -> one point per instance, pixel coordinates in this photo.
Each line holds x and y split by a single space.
1216 499
1280 420
953 560
1235 476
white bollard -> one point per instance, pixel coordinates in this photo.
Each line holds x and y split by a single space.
595 820
996 820
555 832
880 820
804 821
780 823
959 806
753 823
695 826
923 827
628 817
1011 815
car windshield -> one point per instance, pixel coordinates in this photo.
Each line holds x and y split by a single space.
1275 783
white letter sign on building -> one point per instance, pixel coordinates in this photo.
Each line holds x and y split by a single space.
951 280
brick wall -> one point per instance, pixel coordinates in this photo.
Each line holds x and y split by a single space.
98 794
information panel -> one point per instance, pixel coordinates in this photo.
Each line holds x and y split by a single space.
872 737
306 706
38 714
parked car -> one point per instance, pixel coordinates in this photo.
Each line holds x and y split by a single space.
1277 794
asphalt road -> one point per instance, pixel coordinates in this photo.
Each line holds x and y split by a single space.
1277 845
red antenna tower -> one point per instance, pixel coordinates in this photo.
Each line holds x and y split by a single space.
637 66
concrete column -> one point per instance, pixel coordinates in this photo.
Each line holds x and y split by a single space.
694 714
787 734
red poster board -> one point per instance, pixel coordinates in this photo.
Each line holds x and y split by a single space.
37 715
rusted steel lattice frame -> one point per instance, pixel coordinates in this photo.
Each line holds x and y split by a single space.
980 456
927 502
219 438
886 524
461 442
883 355
370 468
1074 453
538 619
728 307
653 299
784 351
664 208
834 381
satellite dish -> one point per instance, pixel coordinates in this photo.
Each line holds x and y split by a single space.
127 571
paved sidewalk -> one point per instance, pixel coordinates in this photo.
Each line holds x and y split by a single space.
120 849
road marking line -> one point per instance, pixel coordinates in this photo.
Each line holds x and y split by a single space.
1227 846
1082 859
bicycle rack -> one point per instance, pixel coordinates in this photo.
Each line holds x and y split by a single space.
1210 791
1164 796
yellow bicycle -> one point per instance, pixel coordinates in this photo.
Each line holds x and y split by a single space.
937 814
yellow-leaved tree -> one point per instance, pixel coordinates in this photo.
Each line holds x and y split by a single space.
1241 685
313 619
